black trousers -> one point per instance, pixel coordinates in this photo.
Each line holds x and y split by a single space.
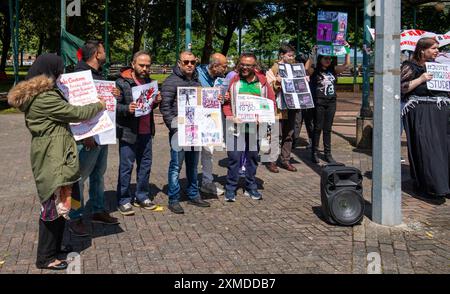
304 116
50 241
323 121
427 129
287 135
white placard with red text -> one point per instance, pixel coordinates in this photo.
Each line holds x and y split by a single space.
80 90
104 90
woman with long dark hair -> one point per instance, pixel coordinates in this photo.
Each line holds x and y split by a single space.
323 88
426 120
54 156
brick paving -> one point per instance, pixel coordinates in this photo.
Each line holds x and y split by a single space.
284 233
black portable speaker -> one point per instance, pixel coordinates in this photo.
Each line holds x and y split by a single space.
342 194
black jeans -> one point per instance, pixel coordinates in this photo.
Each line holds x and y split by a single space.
323 121
304 116
50 241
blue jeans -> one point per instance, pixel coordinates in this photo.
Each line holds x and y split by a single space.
234 165
93 166
141 152
176 162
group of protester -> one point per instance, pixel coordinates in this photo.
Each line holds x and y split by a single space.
61 165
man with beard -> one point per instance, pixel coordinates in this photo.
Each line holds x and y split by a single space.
135 136
93 157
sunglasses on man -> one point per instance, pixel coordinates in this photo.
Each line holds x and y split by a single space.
186 62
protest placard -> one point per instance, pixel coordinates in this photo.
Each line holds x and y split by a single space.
251 109
296 92
144 96
104 90
441 76
409 39
223 84
331 33
199 117
79 89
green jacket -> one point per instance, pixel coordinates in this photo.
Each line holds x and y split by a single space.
54 156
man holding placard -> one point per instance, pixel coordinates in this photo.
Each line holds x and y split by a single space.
135 131
238 109
184 75
208 74
93 156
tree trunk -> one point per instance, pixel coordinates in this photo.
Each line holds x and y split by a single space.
210 29
227 39
41 44
138 32
6 41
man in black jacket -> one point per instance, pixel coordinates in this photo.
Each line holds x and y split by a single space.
93 158
184 75
135 136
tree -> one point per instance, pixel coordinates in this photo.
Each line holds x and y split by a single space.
5 33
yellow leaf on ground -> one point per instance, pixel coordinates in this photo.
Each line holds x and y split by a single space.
430 235
158 208
2 262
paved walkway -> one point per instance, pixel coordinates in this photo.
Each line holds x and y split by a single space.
284 233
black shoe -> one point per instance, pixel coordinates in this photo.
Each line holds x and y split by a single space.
176 208
315 158
329 158
199 202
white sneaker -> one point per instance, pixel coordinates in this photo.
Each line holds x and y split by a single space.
212 189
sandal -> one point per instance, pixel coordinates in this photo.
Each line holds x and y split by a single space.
58 267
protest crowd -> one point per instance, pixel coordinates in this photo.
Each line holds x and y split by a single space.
252 114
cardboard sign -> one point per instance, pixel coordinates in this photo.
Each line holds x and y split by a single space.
104 90
441 76
80 90
144 96
331 33
251 109
199 117
296 91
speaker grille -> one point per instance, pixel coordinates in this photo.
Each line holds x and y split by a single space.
347 207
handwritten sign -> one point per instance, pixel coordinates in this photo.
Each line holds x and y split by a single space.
441 76
251 108
104 90
144 96
79 89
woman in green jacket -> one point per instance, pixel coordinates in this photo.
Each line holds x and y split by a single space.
54 156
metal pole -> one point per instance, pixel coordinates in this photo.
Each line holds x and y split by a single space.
14 38
355 61
365 108
106 40
240 31
414 17
386 190
63 26
177 30
188 25
298 28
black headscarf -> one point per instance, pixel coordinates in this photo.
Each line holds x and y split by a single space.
48 64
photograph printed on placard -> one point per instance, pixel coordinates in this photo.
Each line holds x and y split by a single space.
300 86
305 101
210 97
190 115
324 32
289 86
339 39
342 22
282 71
289 100
187 96
298 70
191 135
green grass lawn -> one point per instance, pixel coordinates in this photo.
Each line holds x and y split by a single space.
349 80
